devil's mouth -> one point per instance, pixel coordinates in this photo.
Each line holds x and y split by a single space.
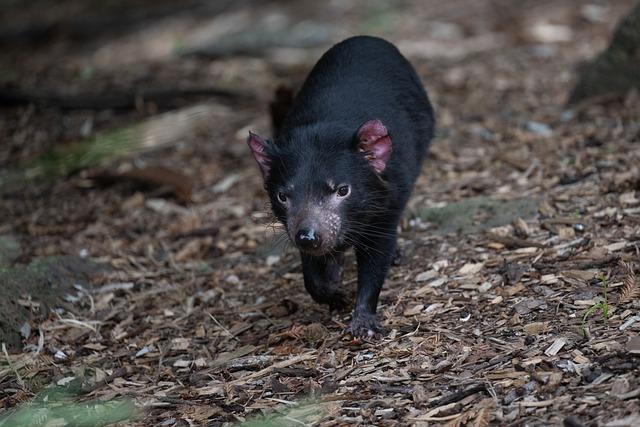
320 251
325 248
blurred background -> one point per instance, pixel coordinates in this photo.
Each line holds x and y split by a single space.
73 68
122 142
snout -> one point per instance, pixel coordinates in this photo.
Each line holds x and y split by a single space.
308 239
315 232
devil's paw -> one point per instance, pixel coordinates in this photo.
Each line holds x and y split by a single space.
364 325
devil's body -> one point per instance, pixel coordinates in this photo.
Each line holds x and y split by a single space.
361 121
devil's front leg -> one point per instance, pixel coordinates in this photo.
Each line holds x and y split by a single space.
374 256
323 277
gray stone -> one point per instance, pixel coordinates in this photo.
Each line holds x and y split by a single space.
9 250
478 213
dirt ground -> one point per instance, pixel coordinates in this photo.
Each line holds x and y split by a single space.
201 317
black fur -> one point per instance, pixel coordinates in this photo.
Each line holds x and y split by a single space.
360 79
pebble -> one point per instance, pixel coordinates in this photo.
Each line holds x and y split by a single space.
232 279
272 260
539 128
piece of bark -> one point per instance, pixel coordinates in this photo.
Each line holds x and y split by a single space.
113 100
514 242
173 181
458 395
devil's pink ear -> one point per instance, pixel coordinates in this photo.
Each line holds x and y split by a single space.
258 148
374 141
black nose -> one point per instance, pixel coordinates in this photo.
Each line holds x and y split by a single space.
307 239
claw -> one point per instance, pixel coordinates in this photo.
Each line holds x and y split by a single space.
364 326
398 257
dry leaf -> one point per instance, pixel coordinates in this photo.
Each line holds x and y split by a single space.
413 310
555 347
614 247
521 228
470 268
426 275
580 275
536 328
567 233
482 418
633 346
512 290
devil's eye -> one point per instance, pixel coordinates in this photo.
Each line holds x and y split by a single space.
343 190
282 197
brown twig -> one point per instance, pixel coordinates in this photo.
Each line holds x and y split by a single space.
458 395
122 100
514 242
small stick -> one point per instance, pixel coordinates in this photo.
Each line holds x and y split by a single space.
269 369
514 241
222 327
40 340
15 371
458 395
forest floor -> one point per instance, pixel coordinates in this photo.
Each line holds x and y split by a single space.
516 303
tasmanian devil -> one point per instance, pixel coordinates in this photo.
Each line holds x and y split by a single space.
341 168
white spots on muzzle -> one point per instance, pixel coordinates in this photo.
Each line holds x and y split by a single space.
323 216
330 225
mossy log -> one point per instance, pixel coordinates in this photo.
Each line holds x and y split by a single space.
47 281
615 71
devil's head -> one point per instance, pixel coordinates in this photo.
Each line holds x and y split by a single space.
322 188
